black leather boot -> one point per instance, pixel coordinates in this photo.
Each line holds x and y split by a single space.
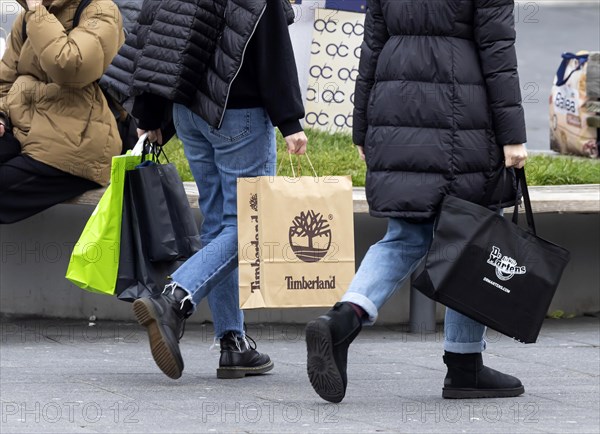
164 317
239 359
327 340
468 378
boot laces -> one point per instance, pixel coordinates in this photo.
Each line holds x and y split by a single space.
171 287
242 342
245 339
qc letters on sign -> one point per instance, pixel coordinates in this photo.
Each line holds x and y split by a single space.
335 53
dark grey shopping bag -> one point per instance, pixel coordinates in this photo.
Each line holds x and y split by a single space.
158 230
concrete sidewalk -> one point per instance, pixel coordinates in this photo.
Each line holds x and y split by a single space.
59 376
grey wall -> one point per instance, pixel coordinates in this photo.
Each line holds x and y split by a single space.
34 255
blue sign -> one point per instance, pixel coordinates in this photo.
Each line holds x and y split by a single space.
347 5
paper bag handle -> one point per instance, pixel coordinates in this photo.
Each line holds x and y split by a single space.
299 167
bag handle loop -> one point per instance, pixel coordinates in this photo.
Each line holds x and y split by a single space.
522 181
566 58
144 148
298 165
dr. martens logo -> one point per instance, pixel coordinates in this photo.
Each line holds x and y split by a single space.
506 267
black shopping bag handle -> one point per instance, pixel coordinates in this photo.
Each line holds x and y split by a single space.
522 181
154 150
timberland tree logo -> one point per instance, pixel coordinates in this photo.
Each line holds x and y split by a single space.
254 202
310 236
506 267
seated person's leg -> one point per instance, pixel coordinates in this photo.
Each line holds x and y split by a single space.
9 147
28 187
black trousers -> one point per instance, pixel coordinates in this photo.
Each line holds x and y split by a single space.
28 187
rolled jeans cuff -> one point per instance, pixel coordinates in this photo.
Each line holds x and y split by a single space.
365 303
464 347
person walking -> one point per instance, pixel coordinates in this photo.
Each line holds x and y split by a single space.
245 81
437 112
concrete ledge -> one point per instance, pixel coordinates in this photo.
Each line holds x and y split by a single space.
35 254
544 199
583 198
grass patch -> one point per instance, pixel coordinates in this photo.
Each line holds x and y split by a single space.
561 170
334 154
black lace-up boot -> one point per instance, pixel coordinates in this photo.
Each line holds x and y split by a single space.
467 378
164 317
327 341
239 358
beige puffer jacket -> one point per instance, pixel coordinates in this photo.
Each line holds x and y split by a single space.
48 86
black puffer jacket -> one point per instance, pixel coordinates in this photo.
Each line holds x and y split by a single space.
130 11
168 49
188 52
436 99
118 79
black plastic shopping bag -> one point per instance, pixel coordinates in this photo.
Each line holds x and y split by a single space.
490 269
167 223
140 274
184 224
151 206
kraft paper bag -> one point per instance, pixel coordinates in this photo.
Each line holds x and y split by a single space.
296 241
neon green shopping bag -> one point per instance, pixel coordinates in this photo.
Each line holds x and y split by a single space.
95 259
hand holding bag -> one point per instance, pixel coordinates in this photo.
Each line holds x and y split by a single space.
168 225
490 269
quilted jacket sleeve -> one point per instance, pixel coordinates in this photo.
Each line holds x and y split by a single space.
8 66
119 74
80 57
494 30
376 35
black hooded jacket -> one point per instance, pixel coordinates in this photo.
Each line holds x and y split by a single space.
436 99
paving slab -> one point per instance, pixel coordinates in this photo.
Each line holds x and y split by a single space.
67 376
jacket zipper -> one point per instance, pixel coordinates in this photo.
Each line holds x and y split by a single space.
241 63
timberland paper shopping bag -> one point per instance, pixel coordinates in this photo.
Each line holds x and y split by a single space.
296 241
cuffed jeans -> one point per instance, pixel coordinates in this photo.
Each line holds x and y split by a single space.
388 264
243 147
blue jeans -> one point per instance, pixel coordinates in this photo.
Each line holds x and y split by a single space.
243 147
388 264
